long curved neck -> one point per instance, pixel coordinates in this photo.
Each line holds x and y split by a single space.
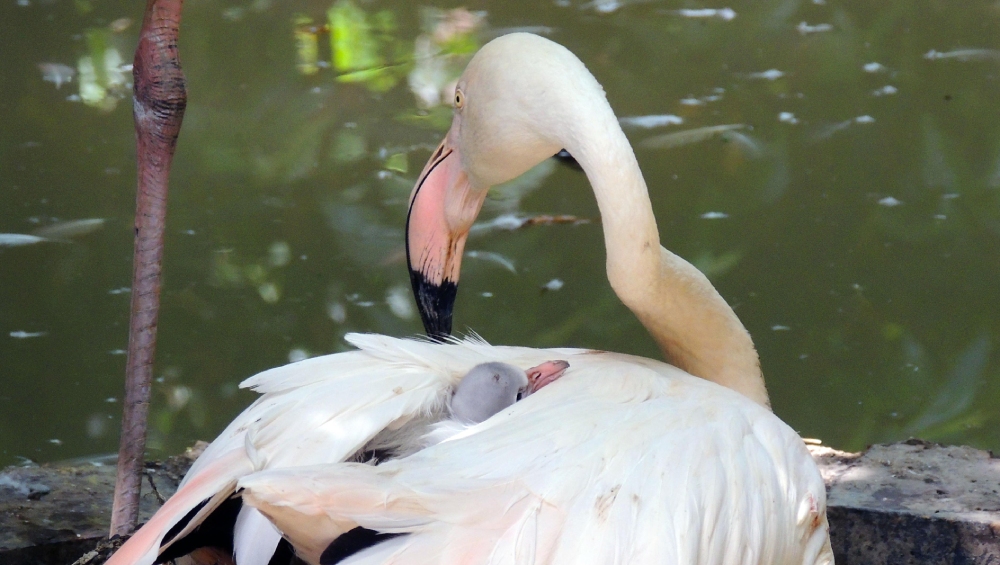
693 325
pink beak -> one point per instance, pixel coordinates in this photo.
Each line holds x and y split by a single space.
545 374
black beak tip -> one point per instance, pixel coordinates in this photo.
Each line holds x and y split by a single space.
435 303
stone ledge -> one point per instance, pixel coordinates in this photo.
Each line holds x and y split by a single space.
912 502
53 514
905 503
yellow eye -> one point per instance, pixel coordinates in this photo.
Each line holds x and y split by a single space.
459 98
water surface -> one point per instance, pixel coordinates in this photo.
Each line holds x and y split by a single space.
851 214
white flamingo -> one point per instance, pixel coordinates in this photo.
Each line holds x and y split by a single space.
622 460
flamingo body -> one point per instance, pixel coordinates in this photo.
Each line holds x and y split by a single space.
322 410
581 472
622 460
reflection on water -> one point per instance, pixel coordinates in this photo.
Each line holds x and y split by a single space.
833 167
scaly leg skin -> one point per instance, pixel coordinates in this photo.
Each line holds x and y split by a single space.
546 373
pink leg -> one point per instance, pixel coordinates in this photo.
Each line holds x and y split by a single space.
545 374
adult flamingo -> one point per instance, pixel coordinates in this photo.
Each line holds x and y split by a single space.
622 459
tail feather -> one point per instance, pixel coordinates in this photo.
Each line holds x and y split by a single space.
346 495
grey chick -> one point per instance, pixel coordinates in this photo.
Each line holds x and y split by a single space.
490 387
487 389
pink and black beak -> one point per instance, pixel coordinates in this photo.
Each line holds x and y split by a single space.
443 207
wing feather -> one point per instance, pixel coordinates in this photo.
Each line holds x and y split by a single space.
320 410
254 538
584 472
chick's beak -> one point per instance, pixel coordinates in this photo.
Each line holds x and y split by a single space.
545 374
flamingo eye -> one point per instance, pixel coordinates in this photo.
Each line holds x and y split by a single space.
459 99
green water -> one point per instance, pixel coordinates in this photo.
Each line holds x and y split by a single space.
857 236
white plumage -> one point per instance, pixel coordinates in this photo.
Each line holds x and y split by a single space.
581 472
320 410
623 460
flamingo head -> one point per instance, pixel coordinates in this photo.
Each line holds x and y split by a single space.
515 106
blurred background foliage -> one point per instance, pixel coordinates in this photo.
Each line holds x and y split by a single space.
832 165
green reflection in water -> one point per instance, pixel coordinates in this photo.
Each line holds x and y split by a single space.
852 219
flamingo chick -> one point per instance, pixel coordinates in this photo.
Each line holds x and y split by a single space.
487 389
490 387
